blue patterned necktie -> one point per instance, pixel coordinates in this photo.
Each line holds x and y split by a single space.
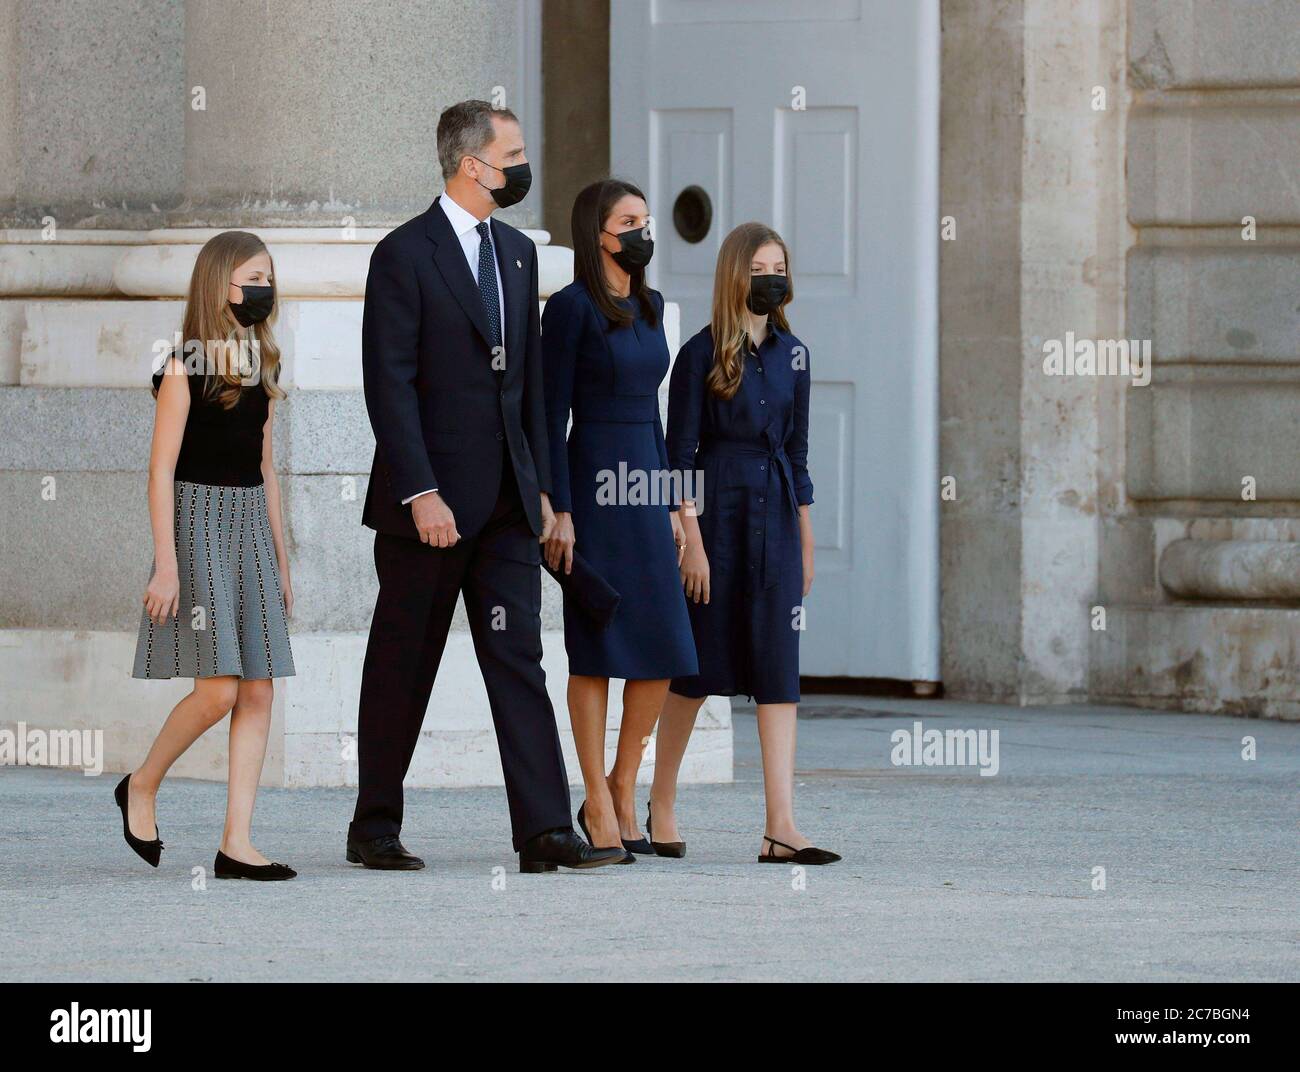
487 281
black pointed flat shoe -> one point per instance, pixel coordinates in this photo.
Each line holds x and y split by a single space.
673 849
149 851
810 855
628 858
227 867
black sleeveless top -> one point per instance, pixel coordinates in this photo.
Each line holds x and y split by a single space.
221 447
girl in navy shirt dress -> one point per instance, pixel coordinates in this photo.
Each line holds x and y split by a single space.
738 421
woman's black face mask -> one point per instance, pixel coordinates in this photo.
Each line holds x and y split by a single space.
635 249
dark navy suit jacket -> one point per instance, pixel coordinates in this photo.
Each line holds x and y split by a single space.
442 415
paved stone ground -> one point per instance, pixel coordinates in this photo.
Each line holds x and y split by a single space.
947 875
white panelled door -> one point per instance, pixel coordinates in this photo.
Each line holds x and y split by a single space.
821 119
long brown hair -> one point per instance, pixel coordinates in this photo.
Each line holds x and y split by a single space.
591 208
208 325
730 322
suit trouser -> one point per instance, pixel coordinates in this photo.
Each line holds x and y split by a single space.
497 571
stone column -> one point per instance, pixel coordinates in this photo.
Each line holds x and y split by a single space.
329 110
1031 179
93 135
980 137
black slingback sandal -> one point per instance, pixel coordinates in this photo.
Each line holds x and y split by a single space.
809 855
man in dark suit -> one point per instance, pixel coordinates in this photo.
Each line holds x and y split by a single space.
451 356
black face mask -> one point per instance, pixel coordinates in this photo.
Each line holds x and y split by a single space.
256 306
766 293
636 249
519 177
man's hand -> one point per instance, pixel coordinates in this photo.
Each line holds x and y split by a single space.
434 521
559 548
548 519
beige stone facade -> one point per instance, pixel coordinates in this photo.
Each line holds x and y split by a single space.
1109 170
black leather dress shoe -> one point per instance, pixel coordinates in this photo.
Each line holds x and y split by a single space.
384 853
563 848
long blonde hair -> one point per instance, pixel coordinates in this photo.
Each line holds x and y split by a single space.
208 322
730 324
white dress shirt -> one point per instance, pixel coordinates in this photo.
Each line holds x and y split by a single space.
465 224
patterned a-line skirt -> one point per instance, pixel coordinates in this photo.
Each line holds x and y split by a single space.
231 619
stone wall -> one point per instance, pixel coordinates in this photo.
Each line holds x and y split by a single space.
1205 586
1099 160
324 126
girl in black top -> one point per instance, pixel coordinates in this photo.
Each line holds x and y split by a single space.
216 605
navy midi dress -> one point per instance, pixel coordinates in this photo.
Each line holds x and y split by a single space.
608 476
751 454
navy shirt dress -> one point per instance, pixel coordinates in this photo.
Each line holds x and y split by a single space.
751 453
607 475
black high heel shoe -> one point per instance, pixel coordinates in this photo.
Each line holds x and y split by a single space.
628 858
640 845
227 867
148 851
809 855
675 849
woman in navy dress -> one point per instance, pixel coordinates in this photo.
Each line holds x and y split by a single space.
605 356
738 421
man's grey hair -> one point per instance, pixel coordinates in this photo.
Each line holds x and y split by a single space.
464 130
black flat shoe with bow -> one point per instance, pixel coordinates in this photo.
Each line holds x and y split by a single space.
149 851
809 855
226 867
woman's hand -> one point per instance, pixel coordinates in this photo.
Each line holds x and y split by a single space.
559 548
806 543
286 589
162 598
679 535
695 573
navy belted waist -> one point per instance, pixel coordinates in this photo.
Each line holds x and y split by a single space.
616 409
780 494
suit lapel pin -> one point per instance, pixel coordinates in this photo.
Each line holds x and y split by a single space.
519 264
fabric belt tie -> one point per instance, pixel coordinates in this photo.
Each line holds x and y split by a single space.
780 491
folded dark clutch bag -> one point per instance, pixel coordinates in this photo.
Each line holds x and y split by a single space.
590 592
